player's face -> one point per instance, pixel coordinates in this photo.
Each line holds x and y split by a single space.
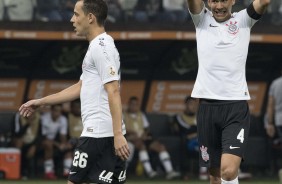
133 106
221 9
80 20
56 112
191 107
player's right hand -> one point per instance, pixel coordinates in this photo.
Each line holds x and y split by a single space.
28 108
121 147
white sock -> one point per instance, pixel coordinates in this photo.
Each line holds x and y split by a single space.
67 164
203 170
235 181
144 158
165 159
49 166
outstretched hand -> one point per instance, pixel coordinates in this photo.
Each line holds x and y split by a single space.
28 108
121 147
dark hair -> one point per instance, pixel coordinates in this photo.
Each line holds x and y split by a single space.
132 98
98 8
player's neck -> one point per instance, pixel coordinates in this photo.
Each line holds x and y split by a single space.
93 34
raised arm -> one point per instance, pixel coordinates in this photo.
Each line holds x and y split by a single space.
261 5
195 6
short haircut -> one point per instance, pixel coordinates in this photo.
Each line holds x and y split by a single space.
133 98
98 8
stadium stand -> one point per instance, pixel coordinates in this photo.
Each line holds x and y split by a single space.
6 128
160 124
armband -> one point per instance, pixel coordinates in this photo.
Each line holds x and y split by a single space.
252 12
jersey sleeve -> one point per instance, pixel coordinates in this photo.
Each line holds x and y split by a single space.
81 77
104 60
247 17
197 18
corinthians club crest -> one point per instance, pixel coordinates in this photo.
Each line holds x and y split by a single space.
204 153
232 27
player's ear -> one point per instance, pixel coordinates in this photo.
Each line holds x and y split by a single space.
233 2
91 18
209 3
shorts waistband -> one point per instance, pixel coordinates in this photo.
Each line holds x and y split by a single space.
214 101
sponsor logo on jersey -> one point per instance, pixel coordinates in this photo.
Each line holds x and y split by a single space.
204 153
233 147
112 71
101 43
213 25
72 172
122 176
106 176
89 129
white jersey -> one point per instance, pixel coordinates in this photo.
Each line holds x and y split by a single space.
222 54
100 66
51 128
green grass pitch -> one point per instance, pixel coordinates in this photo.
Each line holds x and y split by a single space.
135 181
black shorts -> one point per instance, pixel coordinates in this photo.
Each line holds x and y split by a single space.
95 161
223 127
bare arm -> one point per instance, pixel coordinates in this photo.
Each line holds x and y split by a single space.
68 94
112 89
121 146
195 6
261 5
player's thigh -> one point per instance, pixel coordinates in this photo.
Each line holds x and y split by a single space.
83 160
230 162
236 130
108 168
209 137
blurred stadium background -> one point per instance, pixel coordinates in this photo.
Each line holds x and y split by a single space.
40 55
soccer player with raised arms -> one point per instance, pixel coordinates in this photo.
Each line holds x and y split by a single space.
223 116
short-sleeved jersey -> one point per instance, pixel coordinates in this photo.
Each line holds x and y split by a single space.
222 52
51 128
275 91
101 65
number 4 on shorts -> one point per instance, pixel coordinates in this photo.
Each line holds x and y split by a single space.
240 136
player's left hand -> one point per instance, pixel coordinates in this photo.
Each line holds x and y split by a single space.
121 147
27 109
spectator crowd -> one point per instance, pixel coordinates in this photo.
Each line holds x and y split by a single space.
161 11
